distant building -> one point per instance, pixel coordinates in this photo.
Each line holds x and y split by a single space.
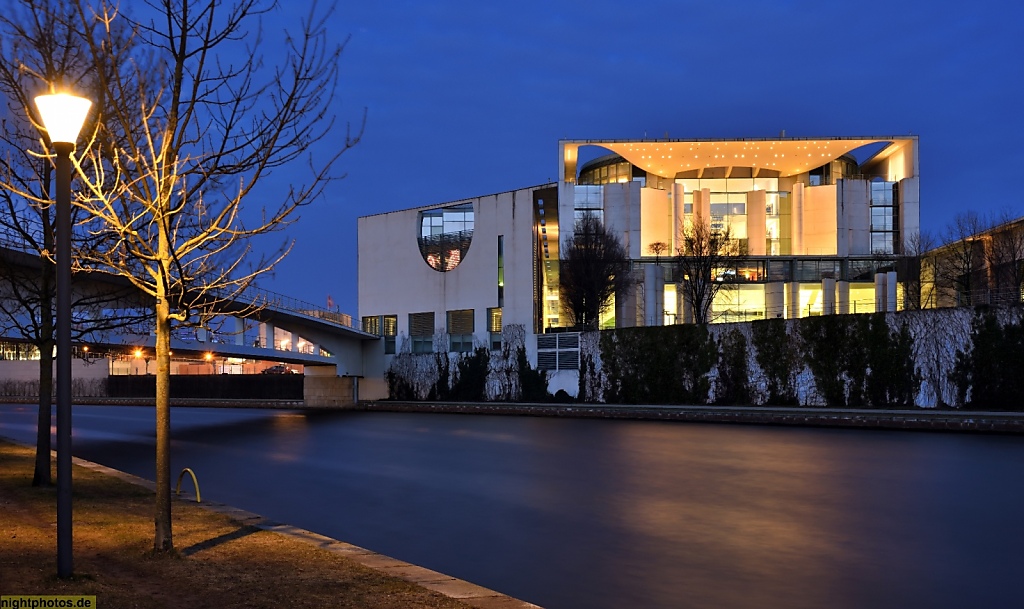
821 234
979 264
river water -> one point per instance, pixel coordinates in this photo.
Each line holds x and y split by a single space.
601 514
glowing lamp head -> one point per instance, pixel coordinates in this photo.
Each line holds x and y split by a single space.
63 116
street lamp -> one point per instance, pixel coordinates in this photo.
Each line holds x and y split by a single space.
63 116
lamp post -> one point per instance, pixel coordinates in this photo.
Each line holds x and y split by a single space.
63 116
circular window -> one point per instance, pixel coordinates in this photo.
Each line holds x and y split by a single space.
445 235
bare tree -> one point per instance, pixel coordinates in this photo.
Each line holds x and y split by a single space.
594 267
705 253
960 260
191 121
40 49
917 269
657 248
1004 257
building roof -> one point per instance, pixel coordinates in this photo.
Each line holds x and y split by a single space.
788 156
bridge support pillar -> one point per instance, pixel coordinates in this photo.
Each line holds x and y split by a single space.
239 331
267 333
322 387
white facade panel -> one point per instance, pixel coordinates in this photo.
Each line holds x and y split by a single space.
394 279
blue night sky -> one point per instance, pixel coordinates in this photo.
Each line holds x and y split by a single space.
470 98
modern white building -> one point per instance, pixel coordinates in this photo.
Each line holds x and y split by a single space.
820 232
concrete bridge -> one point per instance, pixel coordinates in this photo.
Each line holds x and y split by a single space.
256 324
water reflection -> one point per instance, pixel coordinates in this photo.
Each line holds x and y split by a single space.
290 436
601 514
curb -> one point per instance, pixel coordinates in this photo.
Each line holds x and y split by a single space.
904 420
461 590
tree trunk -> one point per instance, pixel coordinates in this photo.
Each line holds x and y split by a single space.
163 542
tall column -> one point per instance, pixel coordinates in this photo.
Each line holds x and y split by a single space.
880 292
295 341
625 308
239 331
654 295
843 297
797 220
774 300
890 291
683 306
678 217
756 231
793 300
828 296
267 332
702 205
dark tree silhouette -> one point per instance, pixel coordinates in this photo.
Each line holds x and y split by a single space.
960 261
1004 257
40 50
914 267
184 130
704 252
594 267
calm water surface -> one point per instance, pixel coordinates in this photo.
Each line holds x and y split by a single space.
589 514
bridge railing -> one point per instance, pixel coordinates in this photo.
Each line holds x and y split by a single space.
282 303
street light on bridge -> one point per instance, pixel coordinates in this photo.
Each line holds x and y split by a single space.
63 116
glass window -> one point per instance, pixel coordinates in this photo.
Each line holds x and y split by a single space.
389 328
494 328
421 332
460 330
881 243
371 325
445 235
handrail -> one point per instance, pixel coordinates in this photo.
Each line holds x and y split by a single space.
195 482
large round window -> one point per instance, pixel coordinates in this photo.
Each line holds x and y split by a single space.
445 235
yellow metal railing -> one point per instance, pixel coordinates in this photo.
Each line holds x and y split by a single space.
195 482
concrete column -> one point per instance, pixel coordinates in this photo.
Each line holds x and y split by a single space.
267 332
828 296
683 305
625 308
890 291
756 230
702 205
654 295
880 292
797 220
774 300
843 297
793 300
239 331
295 341
678 217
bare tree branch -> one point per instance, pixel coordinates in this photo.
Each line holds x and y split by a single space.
704 253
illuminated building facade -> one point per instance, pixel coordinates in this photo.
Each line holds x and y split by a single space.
819 230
